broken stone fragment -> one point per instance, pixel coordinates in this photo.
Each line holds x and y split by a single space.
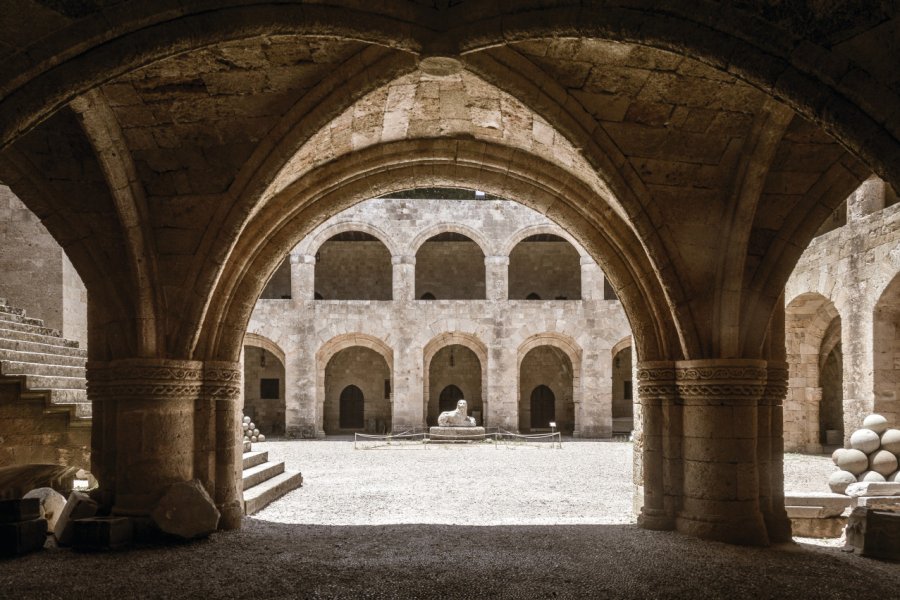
14 511
102 533
873 488
22 536
78 506
186 511
52 504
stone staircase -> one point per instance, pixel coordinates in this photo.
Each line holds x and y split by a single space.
265 480
47 365
52 368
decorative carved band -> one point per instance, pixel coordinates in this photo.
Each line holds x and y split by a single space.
735 379
222 380
776 382
163 379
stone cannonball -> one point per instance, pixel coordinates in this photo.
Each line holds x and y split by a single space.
890 440
876 423
836 454
252 425
894 477
256 432
839 480
261 438
871 476
852 460
883 462
246 420
246 439
245 426
865 440
254 440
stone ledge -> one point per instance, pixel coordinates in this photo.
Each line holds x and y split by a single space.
456 434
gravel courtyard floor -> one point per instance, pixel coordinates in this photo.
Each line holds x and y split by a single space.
404 523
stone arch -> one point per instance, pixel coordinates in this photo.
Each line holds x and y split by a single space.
395 167
312 244
260 341
342 342
444 340
512 241
549 271
622 379
570 348
260 404
808 317
886 352
362 270
414 245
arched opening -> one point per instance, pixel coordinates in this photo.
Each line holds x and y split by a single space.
427 296
546 390
264 389
454 372
352 409
543 408
353 265
450 266
450 395
622 390
544 265
886 349
815 399
356 397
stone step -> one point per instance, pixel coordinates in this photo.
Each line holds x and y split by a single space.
45 382
29 327
251 459
68 396
30 336
256 475
10 345
17 315
9 367
259 496
42 358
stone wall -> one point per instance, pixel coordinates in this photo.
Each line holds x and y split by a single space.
854 270
450 270
548 269
549 366
267 413
367 370
28 434
409 332
353 271
37 276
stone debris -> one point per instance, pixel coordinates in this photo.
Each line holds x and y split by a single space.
22 529
186 511
874 533
102 533
52 504
855 490
872 458
78 506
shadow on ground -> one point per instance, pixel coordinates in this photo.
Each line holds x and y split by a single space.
276 560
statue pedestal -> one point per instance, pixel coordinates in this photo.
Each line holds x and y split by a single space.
456 434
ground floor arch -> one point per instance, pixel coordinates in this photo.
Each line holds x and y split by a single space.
813 409
886 352
454 372
622 387
546 390
357 396
264 384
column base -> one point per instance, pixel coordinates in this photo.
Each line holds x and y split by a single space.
232 514
779 527
748 531
655 520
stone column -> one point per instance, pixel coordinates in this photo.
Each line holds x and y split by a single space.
720 399
404 278
770 453
146 437
222 386
656 391
303 277
591 279
496 273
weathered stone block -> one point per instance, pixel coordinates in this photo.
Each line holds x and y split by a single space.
873 488
102 533
22 537
874 533
14 511
830 505
454 434
186 511
831 527
78 506
52 504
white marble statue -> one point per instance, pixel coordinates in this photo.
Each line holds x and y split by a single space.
458 417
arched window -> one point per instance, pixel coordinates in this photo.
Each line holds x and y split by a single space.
450 395
352 403
544 266
450 265
427 296
532 296
353 265
543 407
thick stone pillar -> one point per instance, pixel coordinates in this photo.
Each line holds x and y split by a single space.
770 453
657 394
720 399
403 278
165 421
303 277
496 273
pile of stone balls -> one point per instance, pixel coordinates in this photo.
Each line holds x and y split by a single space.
251 433
873 455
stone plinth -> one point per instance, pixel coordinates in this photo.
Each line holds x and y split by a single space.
456 434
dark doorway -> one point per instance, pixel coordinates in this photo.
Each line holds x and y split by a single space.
352 403
543 407
450 395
